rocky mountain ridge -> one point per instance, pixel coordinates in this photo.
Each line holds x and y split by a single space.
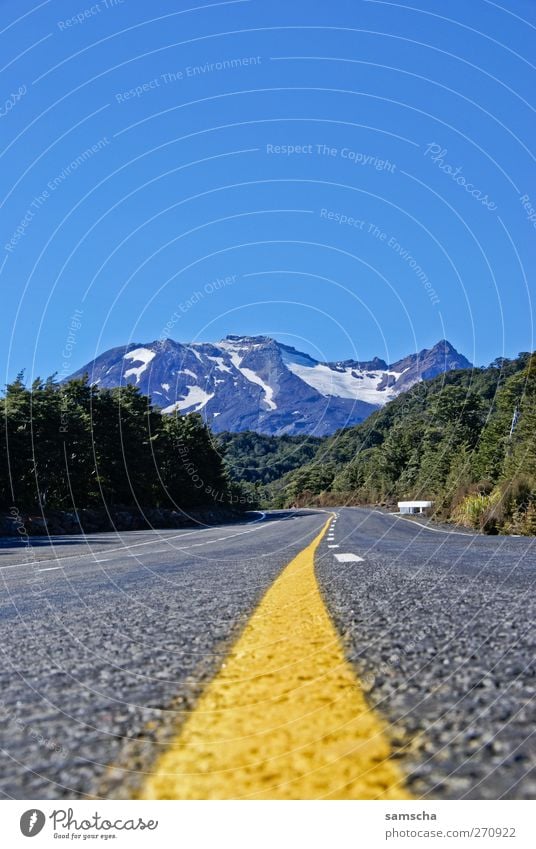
257 383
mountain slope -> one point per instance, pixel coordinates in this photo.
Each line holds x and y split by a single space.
465 440
256 458
256 383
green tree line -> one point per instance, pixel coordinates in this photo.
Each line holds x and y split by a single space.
75 445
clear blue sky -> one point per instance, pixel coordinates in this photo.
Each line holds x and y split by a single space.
142 159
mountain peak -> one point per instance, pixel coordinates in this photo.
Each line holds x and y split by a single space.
444 344
257 383
249 340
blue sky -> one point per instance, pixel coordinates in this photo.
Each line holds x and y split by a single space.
354 178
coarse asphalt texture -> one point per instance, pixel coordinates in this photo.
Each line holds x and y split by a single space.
106 647
108 642
439 625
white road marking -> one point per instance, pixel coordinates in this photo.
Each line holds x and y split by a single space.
333 546
424 527
50 569
262 515
124 548
348 558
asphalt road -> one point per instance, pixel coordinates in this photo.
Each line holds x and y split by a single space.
440 628
108 640
103 649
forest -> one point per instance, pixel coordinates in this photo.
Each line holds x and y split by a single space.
259 458
72 445
465 440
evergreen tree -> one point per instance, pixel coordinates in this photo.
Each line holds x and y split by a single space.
73 446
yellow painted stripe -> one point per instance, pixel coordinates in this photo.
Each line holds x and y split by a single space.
285 718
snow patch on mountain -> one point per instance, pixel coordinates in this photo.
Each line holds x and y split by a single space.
268 391
220 364
195 400
142 355
195 352
344 384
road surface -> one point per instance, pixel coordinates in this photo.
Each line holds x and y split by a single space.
117 647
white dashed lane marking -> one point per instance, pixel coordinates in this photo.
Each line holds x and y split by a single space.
348 558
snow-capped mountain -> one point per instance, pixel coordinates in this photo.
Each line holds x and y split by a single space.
257 383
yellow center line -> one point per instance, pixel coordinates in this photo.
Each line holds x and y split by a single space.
285 718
